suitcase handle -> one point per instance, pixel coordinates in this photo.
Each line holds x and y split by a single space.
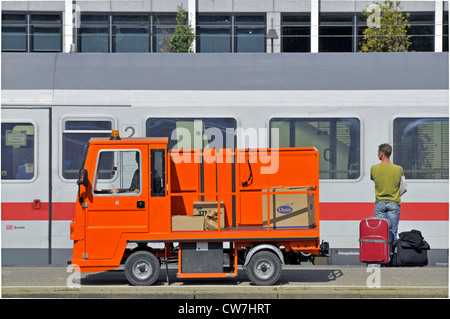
379 223
373 241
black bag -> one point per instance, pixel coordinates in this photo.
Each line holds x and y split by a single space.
410 249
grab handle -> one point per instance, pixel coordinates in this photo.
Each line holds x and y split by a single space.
379 223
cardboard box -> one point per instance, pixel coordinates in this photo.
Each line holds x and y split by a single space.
209 211
289 210
184 222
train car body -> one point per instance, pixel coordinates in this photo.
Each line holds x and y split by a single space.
344 105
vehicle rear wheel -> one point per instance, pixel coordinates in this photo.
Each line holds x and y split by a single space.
264 269
142 268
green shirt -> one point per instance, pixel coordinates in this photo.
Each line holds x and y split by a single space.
387 181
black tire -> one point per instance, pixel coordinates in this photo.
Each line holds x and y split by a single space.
142 268
264 268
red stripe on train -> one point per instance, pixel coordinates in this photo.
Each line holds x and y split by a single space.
27 211
359 211
328 211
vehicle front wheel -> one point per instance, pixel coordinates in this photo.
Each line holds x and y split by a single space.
264 269
142 268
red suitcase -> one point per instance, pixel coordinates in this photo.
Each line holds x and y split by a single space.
375 241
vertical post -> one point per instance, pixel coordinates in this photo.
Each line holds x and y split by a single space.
233 35
67 26
314 26
268 192
438 25
28 21
111 37
179 260
235 259
272 32
355 33
166 257
50 183
192 10
218 214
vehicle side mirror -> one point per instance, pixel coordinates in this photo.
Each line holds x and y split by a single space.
83 179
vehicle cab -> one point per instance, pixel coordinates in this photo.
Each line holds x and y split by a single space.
121 181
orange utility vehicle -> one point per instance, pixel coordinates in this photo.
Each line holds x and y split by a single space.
140 205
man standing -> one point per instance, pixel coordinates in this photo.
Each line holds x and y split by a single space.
386 176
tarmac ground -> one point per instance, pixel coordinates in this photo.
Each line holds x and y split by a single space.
297 282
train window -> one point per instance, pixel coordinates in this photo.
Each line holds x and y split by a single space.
421 147
76 135
337 139
18 146
118 172
194 133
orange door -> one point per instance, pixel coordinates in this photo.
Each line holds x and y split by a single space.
119 200
159 208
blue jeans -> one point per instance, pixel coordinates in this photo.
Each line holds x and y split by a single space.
391 211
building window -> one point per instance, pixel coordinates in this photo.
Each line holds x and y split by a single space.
445 32
194 133
163 28
14 32
130 33
361 26
76 134
147 32
94 33
296 32
421 31
337 139
336 32
421 147
343 32
18 148
46 33
31 32
231 33
250 33
213 33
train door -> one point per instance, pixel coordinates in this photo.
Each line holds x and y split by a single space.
26 202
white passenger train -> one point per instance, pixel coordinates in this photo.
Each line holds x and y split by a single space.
345 105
